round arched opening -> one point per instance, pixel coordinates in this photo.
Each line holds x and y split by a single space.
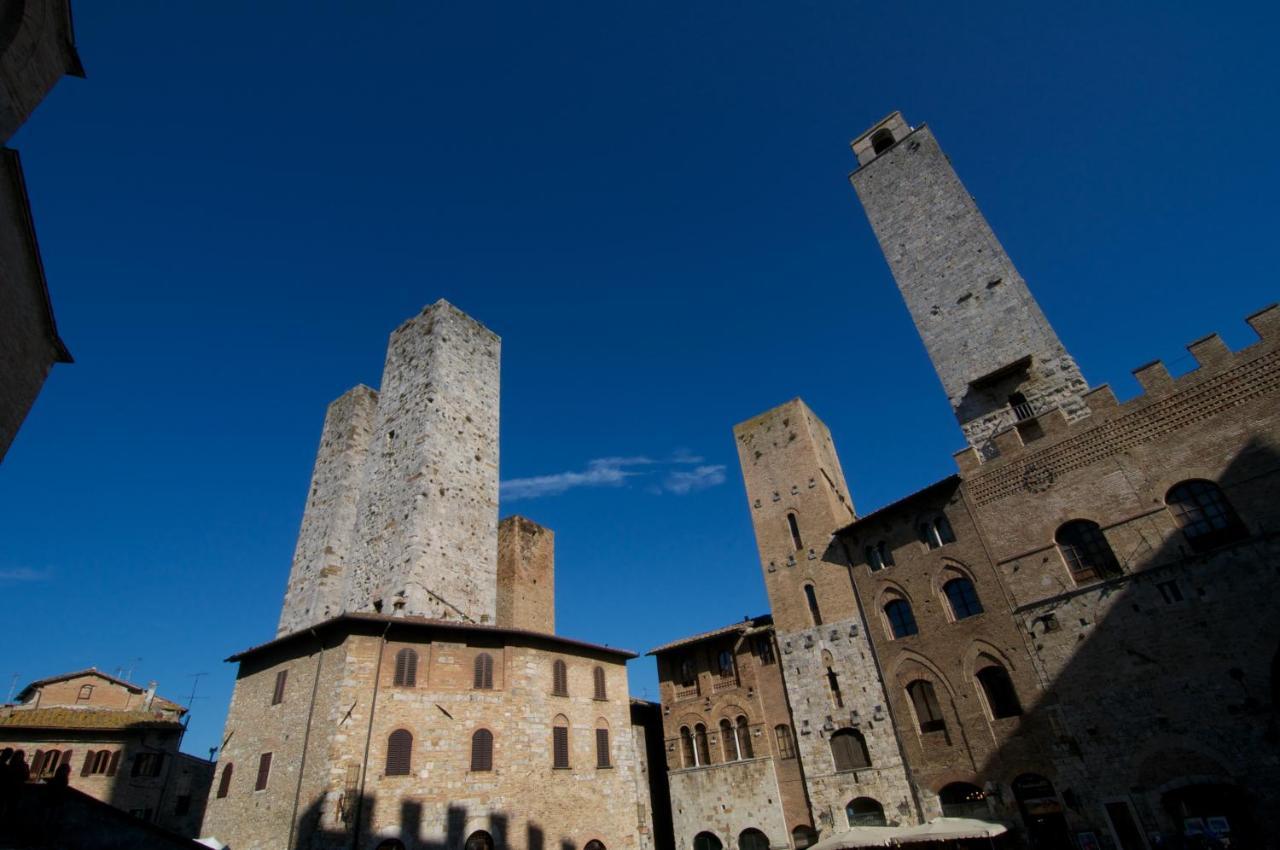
479 840
865 811
804 836
707 841
962 800
882 140
753 839
594 844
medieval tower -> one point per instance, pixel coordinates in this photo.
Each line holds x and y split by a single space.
402 514
999 360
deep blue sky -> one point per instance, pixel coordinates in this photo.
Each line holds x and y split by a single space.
647 201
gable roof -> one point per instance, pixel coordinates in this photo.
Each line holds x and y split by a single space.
750 623
158 701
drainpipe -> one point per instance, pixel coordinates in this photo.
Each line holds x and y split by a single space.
306 738
368 736
875 659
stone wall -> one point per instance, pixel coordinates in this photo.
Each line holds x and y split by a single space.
37 47
526 595
725 799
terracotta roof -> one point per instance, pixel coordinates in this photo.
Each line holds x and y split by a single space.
94 671
428 623
82 718
740 626
878 512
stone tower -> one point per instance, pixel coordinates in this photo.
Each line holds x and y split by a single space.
999 360
798 499
402 514
526 576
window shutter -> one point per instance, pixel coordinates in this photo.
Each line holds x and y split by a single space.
399 753
482 750
559 679
66 758
560 746
115 763
602 748
278 696
264 772
88 763
599 681
483 679
224 784
406 668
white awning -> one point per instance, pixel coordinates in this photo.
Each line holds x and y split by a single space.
938 829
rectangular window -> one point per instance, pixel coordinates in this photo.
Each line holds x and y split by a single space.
86 693
764 649
602 748
147 764
1169 591
264 772
560 747
277 696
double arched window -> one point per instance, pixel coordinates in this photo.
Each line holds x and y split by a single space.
1204 515
902 622
406 668
1085 551
483 680
482 750
399 753
849 750
936 531
962 597
997 687
879 556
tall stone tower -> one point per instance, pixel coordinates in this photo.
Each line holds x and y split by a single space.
402 514
999 360
798 498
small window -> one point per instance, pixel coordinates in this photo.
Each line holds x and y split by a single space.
882 140
724 663
879 556
963 598
925 703
1002 698
224 783
902 622
1169 591
406 668
701 743
753 839
849 750
147 764
833 685
1085 551
602 749
782 734
559 679
936 532
86 693
744 738
597 677
482 750
399 753
764 649
560 744
277 696
794 527
1205 516
483 680
264 772
811 597
864 811
690 755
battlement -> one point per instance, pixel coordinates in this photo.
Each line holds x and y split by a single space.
1048 444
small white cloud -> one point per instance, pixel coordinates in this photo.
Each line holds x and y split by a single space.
601 472
18 574
699 478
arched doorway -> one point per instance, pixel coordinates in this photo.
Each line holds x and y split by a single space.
707 841
753 839
479 840
1212 810
865 811
963 800
803 836
1041 812
593 844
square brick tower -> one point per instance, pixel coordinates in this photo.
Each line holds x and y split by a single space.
999 360
402 514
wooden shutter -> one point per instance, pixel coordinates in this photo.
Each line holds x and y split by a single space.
115 763
224 784
482 750
399 752
560 746
598 675
278 696
88 763
406 668
66 758
602 748
264 772
484 672
560 679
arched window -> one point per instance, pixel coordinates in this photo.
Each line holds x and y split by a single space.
882 140
752 839
706 841
1085 551
794 527
406 668
399 752
687 752
700 741
593 844
962 800
879 556
804 836
1203 513
560 742
479 840
925 703
997 687
728 741
864 811
963 598
811 598
482 750
484 672
782 734
603 759
559 679
744 738
942 526
224 784
849 749
936 532
901 621
597 677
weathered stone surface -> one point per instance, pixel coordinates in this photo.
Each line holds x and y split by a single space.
526 575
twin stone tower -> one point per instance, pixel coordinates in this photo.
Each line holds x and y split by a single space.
402 513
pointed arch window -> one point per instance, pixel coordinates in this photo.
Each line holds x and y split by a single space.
483 680
559 679
1204 515
1085 550
399 752
902 622
849 750
997 687
925 703
406 675
962 597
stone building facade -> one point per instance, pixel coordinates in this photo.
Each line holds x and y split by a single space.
416 694
120 742
37 48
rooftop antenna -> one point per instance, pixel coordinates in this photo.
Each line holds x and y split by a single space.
13 684
191 699
128 676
